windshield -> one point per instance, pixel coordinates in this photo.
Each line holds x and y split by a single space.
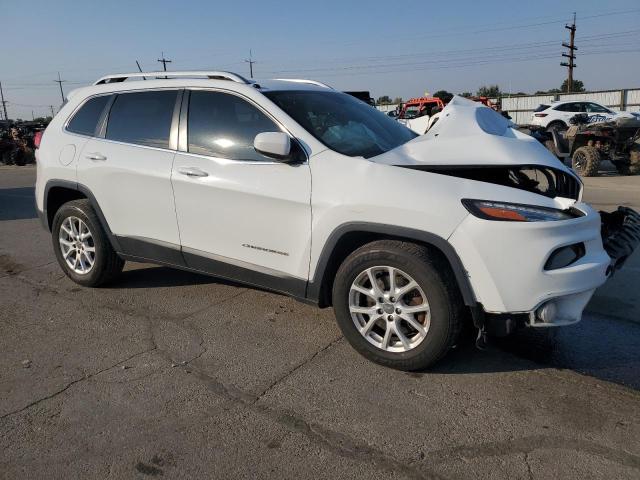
343 123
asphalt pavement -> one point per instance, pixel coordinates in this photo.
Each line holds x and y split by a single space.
176 375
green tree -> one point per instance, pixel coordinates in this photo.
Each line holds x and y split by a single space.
577 86
384 100
443 95
489 91
466 94
397 100
553 90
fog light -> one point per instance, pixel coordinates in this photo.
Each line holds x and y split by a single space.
547 312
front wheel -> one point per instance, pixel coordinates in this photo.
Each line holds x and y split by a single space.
397 304
82 247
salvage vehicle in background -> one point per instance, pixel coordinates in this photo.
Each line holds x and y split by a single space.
416 112
556 115
586 144
300 189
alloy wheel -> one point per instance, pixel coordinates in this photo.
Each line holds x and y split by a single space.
76 245
389 309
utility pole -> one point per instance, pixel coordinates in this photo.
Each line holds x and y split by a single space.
571 55
59 82
164 62
250 61
4 104
52 112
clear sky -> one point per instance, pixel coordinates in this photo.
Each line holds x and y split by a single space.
396 48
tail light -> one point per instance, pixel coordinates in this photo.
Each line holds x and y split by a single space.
37 138
540 114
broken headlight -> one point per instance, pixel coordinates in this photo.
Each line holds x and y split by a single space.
514 212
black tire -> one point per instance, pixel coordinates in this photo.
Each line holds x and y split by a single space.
557 126
107 264
586 161
622 168
432 274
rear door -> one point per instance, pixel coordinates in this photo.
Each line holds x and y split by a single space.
241 215
127 167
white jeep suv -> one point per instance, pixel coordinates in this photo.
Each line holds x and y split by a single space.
294 187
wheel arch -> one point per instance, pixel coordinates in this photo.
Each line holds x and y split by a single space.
59 192
348 237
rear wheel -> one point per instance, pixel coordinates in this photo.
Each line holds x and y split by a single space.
586 161
397 304
557 126
82 247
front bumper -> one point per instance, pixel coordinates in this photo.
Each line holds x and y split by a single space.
506 261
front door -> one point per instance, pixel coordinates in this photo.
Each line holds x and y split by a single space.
241 215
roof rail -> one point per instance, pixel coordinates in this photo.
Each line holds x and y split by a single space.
213 75
302 80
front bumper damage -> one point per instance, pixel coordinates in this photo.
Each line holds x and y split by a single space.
620 235
529 294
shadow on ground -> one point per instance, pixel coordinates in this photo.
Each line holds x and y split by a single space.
17 203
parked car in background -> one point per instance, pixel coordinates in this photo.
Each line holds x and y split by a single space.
556 115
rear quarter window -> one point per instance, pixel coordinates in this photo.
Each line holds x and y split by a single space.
541 108
86 119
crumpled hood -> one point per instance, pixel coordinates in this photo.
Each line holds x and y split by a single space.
471 134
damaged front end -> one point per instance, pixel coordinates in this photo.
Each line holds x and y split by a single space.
620 235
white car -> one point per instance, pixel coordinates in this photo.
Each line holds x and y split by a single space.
294 187
556 115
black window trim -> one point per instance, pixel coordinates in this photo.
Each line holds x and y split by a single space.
183 142
106 108
101 128
173 129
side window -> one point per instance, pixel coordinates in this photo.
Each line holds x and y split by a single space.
86 119
143 118
224 125
569 107
595 108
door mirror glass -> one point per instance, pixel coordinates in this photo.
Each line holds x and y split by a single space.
276 145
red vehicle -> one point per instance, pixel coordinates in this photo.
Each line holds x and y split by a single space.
417 107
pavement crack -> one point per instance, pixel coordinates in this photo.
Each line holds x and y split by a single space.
528 464
297 367
73 382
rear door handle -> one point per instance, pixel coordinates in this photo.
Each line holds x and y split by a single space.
95 156
192 172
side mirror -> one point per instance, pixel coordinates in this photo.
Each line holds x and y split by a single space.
273 144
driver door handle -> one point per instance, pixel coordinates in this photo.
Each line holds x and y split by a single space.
192 172
95 156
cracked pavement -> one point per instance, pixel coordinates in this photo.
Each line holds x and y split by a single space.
167 373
